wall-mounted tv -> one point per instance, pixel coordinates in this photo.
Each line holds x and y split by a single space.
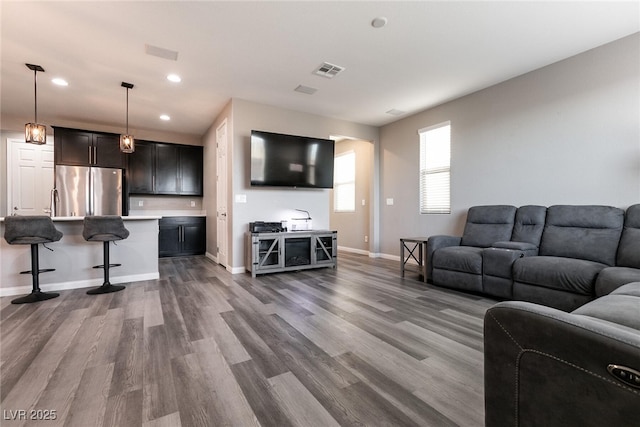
291 161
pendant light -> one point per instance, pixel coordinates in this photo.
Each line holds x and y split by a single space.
35 133
127 143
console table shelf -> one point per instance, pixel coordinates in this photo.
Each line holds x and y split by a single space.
287 251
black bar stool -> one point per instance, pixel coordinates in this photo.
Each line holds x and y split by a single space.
32 230
104 229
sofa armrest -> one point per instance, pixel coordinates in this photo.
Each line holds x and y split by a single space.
543 366
528 248
498 261
437 242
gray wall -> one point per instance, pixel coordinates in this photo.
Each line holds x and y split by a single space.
568 133
352 227
268 204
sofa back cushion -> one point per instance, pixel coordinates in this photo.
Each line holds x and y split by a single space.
629 247
488 224
584 232
529 224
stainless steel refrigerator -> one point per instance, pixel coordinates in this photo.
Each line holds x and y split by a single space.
83 191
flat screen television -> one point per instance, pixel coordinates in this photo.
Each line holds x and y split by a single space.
280 160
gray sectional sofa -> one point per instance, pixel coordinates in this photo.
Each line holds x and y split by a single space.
562 256
546 367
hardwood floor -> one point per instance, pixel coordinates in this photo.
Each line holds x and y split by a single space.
357 345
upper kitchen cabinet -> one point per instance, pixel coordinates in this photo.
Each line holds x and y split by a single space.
165 169
85 148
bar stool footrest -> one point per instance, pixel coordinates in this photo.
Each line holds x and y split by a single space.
43 270
110 265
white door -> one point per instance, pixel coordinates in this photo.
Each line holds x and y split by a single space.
30 176
221 192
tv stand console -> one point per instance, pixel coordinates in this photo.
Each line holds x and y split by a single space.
288 251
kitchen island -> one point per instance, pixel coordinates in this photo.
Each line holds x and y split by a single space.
74 258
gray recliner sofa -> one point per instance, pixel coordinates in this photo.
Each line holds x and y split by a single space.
546 367
457 261
627 268
577 243
562 256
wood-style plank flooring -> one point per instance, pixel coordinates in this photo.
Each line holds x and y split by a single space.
356 345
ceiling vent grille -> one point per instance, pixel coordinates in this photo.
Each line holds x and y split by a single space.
161 52
395 112
328 70
306 89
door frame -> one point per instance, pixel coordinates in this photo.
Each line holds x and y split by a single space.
222 191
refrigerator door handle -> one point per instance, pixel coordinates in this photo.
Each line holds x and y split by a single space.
90 195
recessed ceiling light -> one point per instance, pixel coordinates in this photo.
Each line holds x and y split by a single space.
174 78
379 22
165 117
60 82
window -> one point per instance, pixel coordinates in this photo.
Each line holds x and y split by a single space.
344 182
435 169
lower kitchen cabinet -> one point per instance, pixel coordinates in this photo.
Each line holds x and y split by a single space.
182 235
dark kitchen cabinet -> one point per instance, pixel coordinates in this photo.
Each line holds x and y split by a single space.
140 169
170 169
85 148
182 235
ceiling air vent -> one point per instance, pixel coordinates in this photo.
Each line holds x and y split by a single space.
161 52
306 89
395 112
328 70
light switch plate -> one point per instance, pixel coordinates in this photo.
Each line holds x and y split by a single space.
241 198
389 201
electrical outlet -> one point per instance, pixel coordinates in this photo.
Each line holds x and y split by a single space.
193 203
366 239
140 203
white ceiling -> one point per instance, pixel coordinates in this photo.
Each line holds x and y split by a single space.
428 53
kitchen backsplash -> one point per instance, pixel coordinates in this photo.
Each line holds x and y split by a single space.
165 203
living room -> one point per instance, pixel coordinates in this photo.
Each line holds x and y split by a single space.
567 132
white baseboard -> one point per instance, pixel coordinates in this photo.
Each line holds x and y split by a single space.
354 250
63 286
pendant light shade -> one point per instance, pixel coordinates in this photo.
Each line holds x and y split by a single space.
127 142
35 133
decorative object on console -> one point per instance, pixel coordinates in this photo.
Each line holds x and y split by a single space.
35 133
301 224
127 143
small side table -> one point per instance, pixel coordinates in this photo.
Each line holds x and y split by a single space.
410 244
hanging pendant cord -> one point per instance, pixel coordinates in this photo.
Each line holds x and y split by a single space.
35 92
127 111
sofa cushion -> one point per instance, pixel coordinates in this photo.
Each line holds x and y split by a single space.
465 259
583 232
529 223
629 247
611 278
488 224
620 308
565 274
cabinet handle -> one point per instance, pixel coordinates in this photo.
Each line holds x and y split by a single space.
90 157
